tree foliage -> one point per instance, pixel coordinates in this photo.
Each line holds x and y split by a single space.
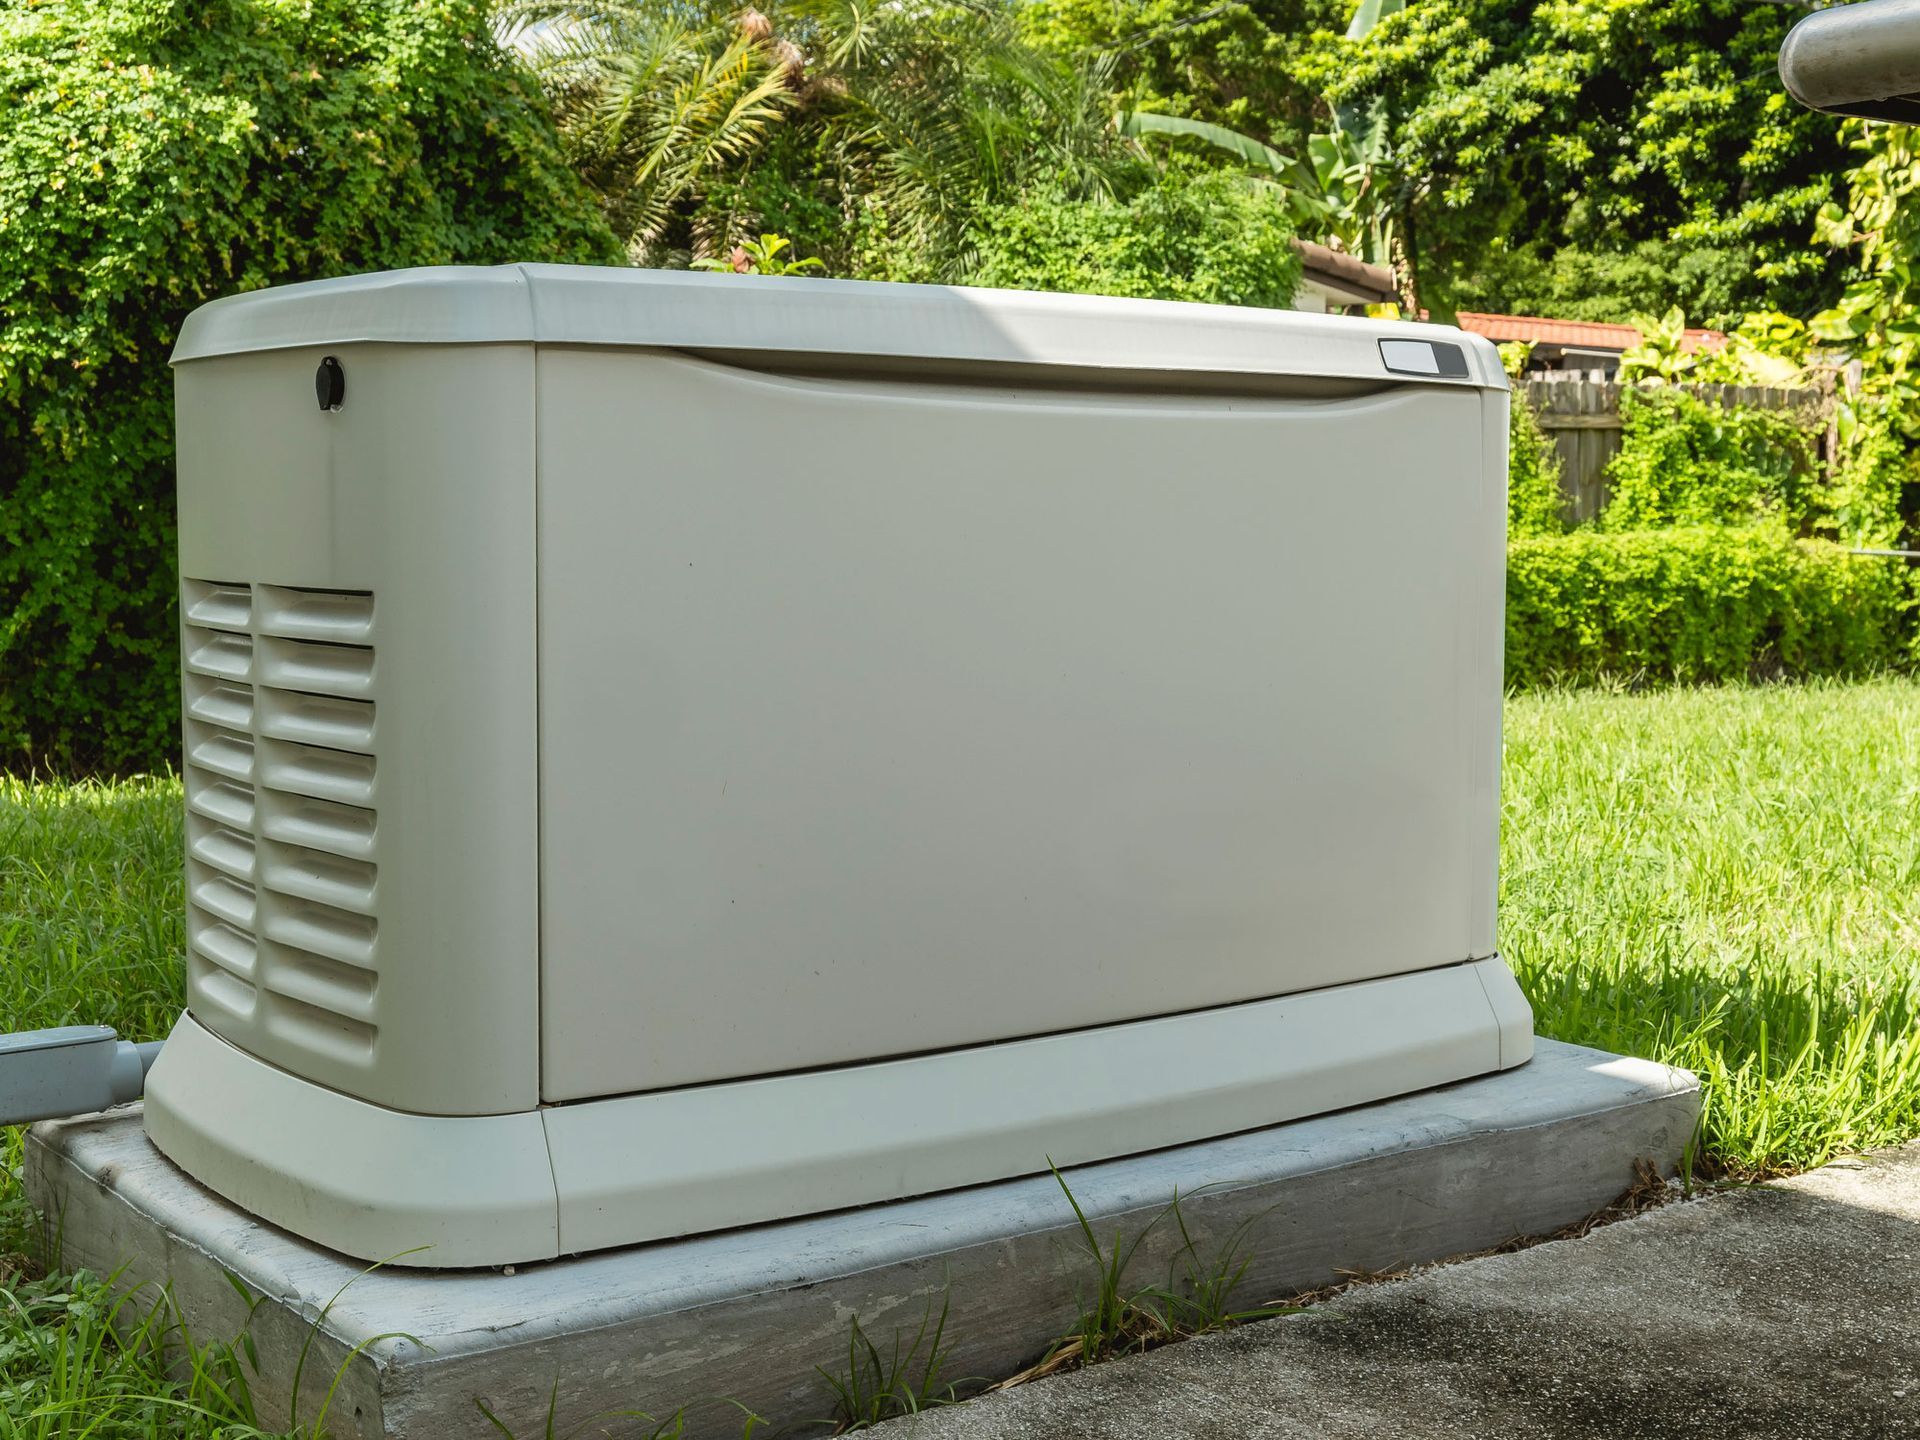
1580 281
1535 503
1239 64
1196 235
869 134
156 154
1685 460
1331 191
653 99
1877 319
938 112
1604 126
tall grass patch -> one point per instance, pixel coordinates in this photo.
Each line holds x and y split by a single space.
91 904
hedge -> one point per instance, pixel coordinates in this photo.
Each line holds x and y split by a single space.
1703 603
155 154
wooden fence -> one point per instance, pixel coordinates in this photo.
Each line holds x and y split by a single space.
1580 413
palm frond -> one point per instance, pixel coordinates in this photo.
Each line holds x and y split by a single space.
921 110
650 97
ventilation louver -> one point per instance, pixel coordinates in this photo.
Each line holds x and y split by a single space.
282 831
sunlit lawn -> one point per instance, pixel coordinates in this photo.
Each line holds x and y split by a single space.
1729 879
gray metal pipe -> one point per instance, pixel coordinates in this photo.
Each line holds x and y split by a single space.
50 1074
1861 59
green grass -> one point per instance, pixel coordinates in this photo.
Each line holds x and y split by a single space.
91 908
90 932
79 1356
1727 879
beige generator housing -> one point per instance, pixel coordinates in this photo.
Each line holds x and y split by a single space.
668 751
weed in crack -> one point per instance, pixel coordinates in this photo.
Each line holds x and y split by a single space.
876 1387
1196 1299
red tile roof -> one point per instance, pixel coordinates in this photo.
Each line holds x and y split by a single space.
1586 334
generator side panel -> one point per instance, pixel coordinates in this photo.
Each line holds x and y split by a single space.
888 717
1484 673
357 595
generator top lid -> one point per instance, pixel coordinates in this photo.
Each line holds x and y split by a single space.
789 318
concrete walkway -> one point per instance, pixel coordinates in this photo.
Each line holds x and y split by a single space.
1788 1310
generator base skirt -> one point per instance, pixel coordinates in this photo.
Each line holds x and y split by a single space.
450 1191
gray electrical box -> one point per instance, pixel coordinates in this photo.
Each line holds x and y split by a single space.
50 1074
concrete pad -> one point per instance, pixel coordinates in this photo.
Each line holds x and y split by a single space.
748 1314
1783 1310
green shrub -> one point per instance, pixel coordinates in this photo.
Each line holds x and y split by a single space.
1866 498
1196 235
1688 461
1534 498
1698 603
156 154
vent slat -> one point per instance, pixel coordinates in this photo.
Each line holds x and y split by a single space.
319 720
221 751
218 654
221 848
220 896
223 800
322 1031
220 988
216 606
220 943
215 702
341 670
325 984
318 825
323 930
338 617
313 875
309 770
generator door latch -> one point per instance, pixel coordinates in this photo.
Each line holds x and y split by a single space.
330 384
